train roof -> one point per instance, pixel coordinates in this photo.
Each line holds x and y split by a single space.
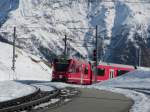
116 65
80 61
76 60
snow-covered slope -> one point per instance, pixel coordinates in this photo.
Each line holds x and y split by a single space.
131 80
28 67
122 27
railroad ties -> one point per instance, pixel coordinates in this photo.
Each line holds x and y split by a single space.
39 100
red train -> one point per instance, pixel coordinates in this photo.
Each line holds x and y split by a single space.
81 72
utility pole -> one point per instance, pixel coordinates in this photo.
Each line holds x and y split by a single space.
14 45
139 57
96 50
96 45
65 50
102 49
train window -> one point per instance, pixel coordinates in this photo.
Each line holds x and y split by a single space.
86 70
100 71
61 67
121 72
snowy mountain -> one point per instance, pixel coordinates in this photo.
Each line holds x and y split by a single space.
123 27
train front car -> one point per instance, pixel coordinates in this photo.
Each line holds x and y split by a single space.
60 68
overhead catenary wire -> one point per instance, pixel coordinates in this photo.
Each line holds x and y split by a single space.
81 28
127 1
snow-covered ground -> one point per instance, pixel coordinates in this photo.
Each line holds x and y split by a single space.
135 79
28 67
11 90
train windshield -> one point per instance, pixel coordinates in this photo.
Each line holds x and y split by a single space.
61 67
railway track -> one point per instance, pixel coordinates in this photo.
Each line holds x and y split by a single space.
39 100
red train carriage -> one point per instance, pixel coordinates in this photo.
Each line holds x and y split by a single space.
107 71
80 72
72 70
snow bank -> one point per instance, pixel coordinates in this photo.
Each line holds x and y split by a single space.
144 68
138 78
26 68
11 90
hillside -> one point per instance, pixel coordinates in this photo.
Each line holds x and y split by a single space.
28 67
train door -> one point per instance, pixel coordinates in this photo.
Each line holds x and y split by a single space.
82 74
90 74
81 78
74 73
85 75
111 73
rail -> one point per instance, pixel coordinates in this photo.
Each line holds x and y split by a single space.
5 104
38 97
27 102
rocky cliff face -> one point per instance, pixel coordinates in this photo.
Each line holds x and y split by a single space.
123 27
